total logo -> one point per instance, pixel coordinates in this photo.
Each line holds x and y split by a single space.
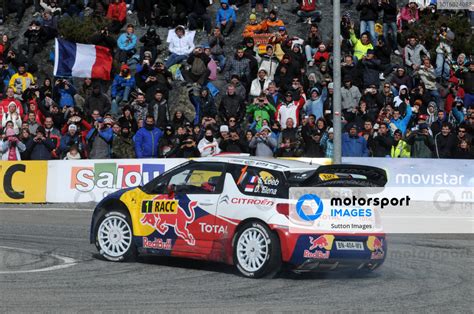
217 229
320 247
113 176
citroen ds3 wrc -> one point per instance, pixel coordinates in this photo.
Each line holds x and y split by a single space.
234 210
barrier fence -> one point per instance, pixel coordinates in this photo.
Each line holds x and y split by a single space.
60 181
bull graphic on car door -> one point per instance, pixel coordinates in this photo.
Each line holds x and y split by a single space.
162 213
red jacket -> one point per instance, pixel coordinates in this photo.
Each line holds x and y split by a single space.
4 106
318 55
117 12
308 5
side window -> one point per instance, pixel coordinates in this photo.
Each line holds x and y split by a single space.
259 181
199 178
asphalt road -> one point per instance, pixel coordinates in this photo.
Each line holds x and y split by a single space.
421 273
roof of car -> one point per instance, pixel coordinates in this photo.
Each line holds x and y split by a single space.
269 163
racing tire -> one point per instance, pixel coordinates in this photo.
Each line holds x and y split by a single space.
114 237
257 251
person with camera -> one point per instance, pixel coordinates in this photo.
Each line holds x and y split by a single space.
11 146
198 72
233 143
122 85
421 142
263 143
99 140
188 148
97 101
123 145
260 110
40 147
208 145
381 144
151 40
36 36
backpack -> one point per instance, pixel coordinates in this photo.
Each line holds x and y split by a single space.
198 67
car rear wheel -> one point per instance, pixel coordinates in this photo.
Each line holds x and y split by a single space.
114 237
257 251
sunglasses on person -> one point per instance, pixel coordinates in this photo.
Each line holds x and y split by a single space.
232 120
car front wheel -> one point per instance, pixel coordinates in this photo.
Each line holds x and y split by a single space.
114 237
257 251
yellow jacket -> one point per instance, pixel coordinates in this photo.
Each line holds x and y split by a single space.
360 50
20 82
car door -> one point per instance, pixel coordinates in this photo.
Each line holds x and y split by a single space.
186 200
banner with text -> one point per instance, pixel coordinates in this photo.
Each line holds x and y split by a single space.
23 181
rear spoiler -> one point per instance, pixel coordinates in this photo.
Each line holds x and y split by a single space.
339 172
336 172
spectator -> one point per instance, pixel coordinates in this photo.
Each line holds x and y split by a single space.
263 143
226 18
40 147
389 8
315 104
260 84
398 122
117 14
11 146
231 105
198 73
180 46
260 110
413 54
100 139
354 145
208 146
188 148
409 14
368 16
151 40
362 45
122 85
233 144
445 142
123 144
168 142
400 149
312 43
371 67
73 153
428 76
327 143
290 108
49 24
216 43
147 139
463 151
13 115
35 35
381 144
97 101
159 110
199 13
127 43
21 80
421 142
350 96
239 66
307 10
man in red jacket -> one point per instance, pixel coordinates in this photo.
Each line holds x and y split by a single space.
308 11
7 100
117 13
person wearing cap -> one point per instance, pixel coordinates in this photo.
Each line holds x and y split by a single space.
263 143
307 11
180 46
40 147
421 142
151 40
11 146
272 23
321 55
226 18
253 27
400 148
315 103
122 85
97 101
199 13
123 145
260 83
354 145
168 142
127 43
327 143
72 137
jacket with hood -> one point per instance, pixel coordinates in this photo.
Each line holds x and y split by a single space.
127 41
263 146
122 82
261 113
256 86
146 142
316 106
226 14
270 64
354 146
350 97
413 54
117 11
421 145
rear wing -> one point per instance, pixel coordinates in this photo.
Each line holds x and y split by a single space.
373 175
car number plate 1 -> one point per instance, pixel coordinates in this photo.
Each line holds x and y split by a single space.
349 245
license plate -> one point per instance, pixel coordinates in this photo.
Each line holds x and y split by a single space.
349 245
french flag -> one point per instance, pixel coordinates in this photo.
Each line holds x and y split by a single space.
80 60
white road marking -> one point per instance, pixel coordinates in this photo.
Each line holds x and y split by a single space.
67 262
47 209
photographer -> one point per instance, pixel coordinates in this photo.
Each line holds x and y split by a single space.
233 144
11 146
198 71
64 92
40 147
102 38
422 143
99 140
152 76
263 143
36 36
151 40
188 148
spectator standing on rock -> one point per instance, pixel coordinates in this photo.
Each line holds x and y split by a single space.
307 11
368 16
117 14
217 42
199 13
122 86
389 8
151 40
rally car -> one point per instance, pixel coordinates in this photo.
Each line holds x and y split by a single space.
234 210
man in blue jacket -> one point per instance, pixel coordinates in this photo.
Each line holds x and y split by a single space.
147 138
354 145
399 122
226 18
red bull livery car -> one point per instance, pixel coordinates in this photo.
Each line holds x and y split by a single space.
233 210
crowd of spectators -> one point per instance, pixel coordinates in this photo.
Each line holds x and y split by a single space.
398 99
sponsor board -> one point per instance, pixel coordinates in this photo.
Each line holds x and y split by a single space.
92 180
23 181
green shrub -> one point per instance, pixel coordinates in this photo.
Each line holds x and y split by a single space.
79 30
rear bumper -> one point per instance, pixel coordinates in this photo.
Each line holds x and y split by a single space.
309 252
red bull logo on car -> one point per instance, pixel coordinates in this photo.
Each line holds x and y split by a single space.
168 213
320 247
376 246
